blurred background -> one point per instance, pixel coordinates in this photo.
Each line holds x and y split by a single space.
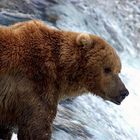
118 21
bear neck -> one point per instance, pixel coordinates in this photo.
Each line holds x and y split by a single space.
69 60
71 66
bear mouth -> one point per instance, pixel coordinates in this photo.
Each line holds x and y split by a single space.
118 100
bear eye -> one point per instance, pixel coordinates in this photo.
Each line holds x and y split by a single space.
107 70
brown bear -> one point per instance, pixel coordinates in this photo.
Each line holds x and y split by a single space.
40 65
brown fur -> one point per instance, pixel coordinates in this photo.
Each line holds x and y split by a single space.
40 66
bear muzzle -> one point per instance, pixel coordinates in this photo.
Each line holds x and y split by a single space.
121 97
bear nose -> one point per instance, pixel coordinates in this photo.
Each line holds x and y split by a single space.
124 92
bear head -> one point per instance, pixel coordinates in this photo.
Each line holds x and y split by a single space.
102 69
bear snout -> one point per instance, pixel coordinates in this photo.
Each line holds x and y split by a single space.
124 93
121 97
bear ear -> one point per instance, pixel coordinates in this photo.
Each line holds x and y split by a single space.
83 39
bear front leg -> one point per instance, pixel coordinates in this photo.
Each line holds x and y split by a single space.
5 132
35 120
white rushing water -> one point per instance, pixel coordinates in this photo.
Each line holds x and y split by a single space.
89 117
